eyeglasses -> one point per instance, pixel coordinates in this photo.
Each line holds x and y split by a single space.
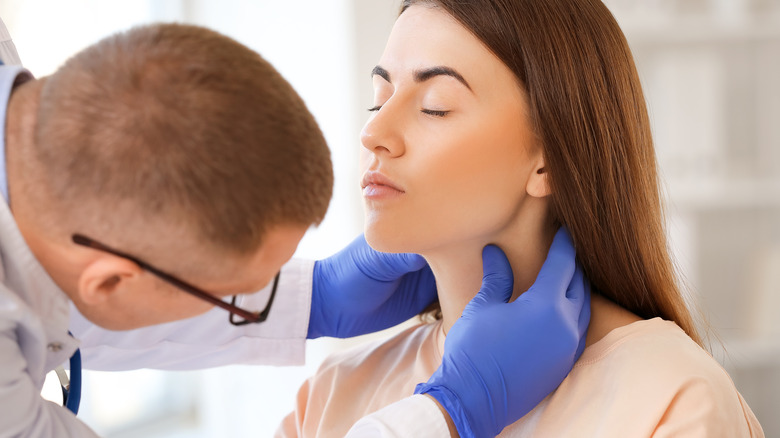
248 317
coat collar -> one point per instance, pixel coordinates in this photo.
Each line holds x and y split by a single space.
42 301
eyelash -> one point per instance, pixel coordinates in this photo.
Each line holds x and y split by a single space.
435 113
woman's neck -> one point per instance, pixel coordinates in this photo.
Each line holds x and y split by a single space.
458 267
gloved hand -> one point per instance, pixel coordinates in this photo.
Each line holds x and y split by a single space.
360 290
500 360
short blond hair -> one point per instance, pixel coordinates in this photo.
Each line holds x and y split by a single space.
185 124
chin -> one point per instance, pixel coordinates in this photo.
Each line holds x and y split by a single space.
390 241
379 243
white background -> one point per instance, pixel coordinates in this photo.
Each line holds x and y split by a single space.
709 68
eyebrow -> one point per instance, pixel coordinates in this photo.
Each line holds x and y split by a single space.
425 74
379 71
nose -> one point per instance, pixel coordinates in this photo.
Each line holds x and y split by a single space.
381 134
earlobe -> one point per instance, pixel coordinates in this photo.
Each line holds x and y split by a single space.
104 277
538 185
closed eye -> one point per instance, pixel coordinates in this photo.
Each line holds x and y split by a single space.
437 113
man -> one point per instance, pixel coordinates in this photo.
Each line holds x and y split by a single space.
168 167
8 52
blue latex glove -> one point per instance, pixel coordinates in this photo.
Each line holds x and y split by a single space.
360 290
500 360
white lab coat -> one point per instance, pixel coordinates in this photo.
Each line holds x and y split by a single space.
8 52
35 316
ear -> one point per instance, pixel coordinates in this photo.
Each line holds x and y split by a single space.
538 185
104 277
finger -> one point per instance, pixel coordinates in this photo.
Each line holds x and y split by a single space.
383 266
575 292
497 278
557 270
406 262
584 319
417 290
390 267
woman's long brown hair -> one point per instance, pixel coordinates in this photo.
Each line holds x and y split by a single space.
588 111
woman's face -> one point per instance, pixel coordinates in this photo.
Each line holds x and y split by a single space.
448 152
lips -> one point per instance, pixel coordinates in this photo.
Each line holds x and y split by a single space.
379 188
374 178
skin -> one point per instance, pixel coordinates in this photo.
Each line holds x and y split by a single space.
114 292
464 166
470 174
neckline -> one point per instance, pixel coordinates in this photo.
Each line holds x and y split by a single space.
618 336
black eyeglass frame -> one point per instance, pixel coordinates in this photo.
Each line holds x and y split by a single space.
248 316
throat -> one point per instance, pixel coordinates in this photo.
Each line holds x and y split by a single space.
457 282
459 274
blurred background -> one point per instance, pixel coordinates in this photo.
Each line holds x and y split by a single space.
710 70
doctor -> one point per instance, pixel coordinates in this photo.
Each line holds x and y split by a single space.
167 170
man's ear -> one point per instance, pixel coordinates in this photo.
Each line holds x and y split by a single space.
104 276
538 184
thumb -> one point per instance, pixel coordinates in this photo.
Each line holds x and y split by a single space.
555 277
382 266
497 278
401 263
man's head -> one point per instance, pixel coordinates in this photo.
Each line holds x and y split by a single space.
179 146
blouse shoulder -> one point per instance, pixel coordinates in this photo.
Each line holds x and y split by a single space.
402 343
657 353
655 342
654 368
383 371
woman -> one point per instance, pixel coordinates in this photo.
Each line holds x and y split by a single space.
497 122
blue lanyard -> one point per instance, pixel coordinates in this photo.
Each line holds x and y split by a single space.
71 387
71 397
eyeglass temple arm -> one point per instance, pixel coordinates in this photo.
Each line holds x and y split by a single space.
258 316
249 316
